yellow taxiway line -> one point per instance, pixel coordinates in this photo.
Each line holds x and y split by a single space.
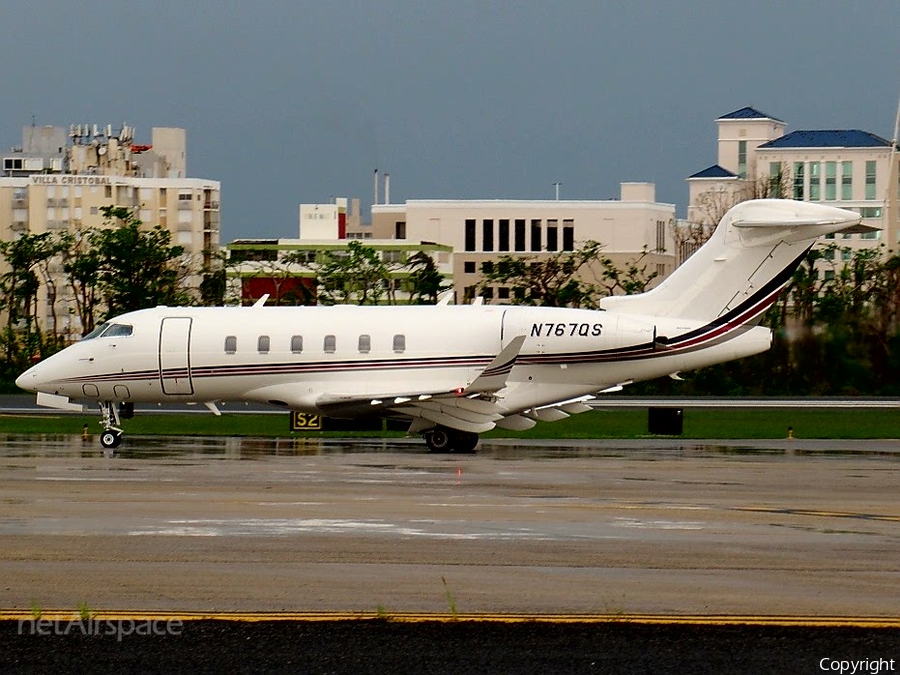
421 617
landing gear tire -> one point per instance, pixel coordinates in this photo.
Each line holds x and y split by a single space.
439 440
111 439
464 441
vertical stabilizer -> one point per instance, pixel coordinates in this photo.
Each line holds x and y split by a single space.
749 258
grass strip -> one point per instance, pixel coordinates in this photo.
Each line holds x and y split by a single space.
699 423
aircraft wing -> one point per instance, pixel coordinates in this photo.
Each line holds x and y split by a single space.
473 407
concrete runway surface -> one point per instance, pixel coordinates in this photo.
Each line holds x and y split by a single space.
592 527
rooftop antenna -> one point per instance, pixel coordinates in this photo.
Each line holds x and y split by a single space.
556 185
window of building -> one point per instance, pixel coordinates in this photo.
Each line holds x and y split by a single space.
846 180
871 235
487 241
742 159
815 193
774 180
469 267
503 293
262 344
400 229
330 344
568 235
660 235
846 254
503 235
487 267
231 344
520 235
535 235
488 292
107 191
399 344
552 235
365 344
392 256
470 234
184 196
799 177
870 212
870 179
297 344
830 181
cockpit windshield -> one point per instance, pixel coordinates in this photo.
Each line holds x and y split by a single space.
110 330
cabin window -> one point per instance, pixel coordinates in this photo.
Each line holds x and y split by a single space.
365 344
399 343
330 344
231 344
297 344
262 344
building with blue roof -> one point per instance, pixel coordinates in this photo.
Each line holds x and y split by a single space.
849 168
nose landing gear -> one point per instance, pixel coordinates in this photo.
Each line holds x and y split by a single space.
111 437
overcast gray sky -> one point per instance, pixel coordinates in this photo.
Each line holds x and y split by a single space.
289 102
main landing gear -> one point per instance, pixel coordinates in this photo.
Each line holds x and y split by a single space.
444 439
111 438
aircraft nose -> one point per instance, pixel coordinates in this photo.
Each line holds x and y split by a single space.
28 380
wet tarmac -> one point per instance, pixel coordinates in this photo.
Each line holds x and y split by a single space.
785 527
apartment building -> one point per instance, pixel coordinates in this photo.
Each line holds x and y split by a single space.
59 179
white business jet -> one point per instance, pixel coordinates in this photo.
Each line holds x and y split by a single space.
452 371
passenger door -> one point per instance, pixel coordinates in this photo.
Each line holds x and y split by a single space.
175 356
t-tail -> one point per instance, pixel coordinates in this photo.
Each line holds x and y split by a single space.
741 269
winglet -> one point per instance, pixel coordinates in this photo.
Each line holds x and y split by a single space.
493 378
261 301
